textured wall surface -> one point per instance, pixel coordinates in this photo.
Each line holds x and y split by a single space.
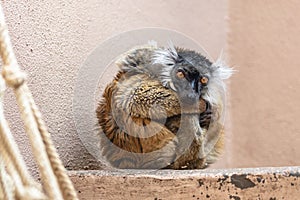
52 38
264 46
231 184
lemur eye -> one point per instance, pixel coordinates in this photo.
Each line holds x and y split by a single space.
203 80
180 74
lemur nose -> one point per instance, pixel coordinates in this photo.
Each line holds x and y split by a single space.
195 86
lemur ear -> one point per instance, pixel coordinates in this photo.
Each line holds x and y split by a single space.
216 87
221 70
165 56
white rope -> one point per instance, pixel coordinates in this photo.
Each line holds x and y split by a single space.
15 181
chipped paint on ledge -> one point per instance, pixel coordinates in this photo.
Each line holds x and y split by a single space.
235 184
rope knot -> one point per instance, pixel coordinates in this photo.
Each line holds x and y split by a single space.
13 76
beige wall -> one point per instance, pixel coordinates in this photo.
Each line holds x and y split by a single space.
52 39
264 46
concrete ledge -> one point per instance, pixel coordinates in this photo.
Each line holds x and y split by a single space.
236 184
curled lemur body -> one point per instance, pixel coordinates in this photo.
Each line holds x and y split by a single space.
163 110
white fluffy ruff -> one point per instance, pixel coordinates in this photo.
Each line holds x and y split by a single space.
166 57
216 87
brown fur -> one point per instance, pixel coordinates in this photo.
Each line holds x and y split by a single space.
144 126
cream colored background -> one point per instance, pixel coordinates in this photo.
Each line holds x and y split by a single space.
52 38
264 46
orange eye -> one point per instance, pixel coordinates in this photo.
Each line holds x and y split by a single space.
204 80
180 74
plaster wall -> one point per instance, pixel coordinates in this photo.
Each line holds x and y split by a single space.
264 47
52 38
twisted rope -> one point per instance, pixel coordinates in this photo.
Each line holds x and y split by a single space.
65 183
6 187
57 184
